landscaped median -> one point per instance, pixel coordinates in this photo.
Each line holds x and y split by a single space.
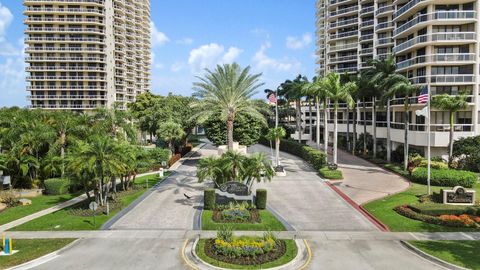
80 217
30 249
461 253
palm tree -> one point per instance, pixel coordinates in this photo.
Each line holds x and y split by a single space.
381 70
337 92
366 91
257 167
227 91
452 104
317 89
276 134
402 86
170 132
210 168
233 162
293 91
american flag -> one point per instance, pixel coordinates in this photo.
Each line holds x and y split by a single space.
423 97
272 98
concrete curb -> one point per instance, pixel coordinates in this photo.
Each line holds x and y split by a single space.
281 219
430 258
124 211
45 258
300 262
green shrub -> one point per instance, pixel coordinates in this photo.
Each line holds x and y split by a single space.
330 174
311 155
436 209
434 165
209 199
261 199
57 186
446 178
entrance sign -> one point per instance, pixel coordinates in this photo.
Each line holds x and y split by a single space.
235 188
458 195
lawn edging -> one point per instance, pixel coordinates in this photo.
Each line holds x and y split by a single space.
43 259
429 257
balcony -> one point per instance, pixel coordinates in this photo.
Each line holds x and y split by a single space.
44 10
437 58
385 9
366 37
384 41
64 49
344 35
350 46
343 70
366 51
64 30
60 68
343 11
384 25
453 78
64 20
66 97
62 59
65 78
63 39
367 10
406 7
439 15
366 24
450 37
348 58
65 106
343 22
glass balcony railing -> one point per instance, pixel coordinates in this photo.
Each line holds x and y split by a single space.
439 15
448 36
406 7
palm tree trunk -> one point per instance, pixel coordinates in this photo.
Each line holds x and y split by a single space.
354 146
450 143
348 128
335 133
277 151
364 128
325 128
310 108
298 116
405 146
374 126
317 104
389 141
230 134
62 152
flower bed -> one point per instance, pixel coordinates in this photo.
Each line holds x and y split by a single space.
236 216
464 220
245 251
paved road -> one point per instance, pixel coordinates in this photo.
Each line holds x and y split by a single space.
364 181
306 202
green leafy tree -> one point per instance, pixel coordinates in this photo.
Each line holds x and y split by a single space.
452 104
170 132
247 130
227 91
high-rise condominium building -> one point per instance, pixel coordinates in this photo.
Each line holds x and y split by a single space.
84 54
435 43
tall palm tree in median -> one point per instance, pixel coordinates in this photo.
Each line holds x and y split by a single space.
293 91
318 90
337 92
452 104
227 91
381 70
401 86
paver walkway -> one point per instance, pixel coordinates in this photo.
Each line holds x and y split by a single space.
364 181
306 202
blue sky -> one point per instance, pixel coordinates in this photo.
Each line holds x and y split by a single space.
275 37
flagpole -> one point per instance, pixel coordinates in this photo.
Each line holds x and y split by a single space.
428 143
276 108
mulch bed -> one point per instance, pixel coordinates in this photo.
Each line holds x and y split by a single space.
254 217
279 250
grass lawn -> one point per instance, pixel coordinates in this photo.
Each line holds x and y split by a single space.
330 174
269 223
289 255
462 253
62 220
38 203
383 210
30 249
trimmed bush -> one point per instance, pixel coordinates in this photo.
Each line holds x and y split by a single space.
446 178
439 209
57 186
261 199
209 199
330 174
311 155
434 164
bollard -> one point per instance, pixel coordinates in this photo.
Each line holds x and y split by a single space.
11 245
7 246
3 241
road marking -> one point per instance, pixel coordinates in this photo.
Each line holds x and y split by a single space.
309 259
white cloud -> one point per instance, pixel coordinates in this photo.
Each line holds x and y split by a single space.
158 38
264 62
12 81
298 43
176 67
185 41
6 18
159 66
207 56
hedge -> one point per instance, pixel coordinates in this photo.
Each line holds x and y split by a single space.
57 186
311 155
439 209
209 199
408 212
261 199
445 178
330 174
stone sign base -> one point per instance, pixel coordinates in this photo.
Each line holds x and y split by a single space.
242 149
458 196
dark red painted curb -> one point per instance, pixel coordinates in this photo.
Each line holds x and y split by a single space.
370 217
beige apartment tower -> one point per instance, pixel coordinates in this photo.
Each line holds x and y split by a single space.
436 44
85 54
